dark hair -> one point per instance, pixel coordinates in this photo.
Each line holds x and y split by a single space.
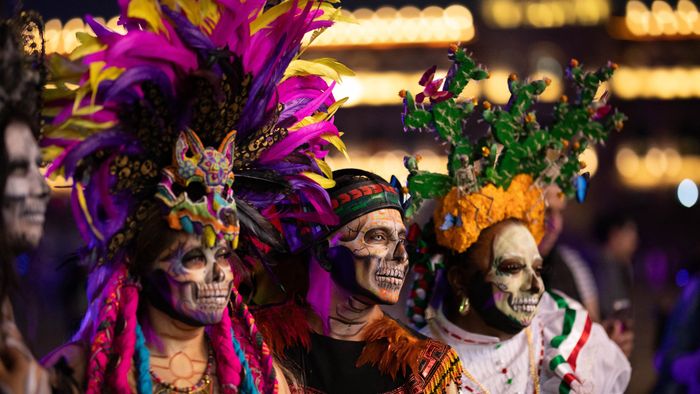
154 236
606 223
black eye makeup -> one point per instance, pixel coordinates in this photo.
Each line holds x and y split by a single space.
194 259
18 167
510 266
376 236
224 256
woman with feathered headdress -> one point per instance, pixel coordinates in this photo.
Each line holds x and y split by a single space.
193 134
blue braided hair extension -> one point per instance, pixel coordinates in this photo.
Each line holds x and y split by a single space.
247 385
142 362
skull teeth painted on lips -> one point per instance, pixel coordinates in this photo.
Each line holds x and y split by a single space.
390 278
524 304
212 296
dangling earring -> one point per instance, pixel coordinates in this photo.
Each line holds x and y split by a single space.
464 306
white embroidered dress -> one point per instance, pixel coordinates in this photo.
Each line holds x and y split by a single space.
571 353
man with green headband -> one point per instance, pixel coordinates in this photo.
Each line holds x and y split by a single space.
358 265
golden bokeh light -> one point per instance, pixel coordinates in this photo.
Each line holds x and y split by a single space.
659 21
508 14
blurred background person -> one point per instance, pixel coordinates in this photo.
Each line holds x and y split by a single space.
23 195
564 268
617 235
678 359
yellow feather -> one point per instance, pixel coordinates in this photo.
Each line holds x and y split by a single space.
325 168
269 16
338 143
322 181
149 11
49 153
97 76
324 67
83 206
336 106
88 44
202 14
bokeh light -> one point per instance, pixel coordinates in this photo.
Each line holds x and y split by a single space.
687 193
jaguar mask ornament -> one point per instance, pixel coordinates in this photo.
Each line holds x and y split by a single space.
197 189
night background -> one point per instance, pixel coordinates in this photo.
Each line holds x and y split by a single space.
648 171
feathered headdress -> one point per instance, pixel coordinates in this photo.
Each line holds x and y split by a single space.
502 174
185 77
204 110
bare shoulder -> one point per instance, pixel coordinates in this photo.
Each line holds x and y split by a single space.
68 362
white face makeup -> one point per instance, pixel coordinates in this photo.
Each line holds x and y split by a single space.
515 273
199 279
377 242
26 191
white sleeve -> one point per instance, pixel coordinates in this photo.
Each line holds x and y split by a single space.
603 368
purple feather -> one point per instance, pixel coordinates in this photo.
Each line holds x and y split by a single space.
112 139
133 77
314 104
105 35
189 33
317 196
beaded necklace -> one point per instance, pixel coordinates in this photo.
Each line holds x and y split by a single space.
145 377
203 385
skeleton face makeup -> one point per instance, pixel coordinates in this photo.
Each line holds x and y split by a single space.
193 282
377 261
511 288
26 191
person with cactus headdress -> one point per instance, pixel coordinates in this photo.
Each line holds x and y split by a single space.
188 140
478 281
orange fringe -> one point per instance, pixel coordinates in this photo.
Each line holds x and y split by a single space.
283 325
449 371
392 348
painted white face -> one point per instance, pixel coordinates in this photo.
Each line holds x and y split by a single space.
379 259
515 273
26 191
199 279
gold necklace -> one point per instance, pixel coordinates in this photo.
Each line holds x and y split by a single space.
533 367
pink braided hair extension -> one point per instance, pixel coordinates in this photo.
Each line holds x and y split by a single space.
266 360
125 343
228 368
101 341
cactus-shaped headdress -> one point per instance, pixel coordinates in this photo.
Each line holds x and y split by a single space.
500 175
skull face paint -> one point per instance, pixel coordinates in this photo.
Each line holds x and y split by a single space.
26 191
197 279
378 263
513 277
